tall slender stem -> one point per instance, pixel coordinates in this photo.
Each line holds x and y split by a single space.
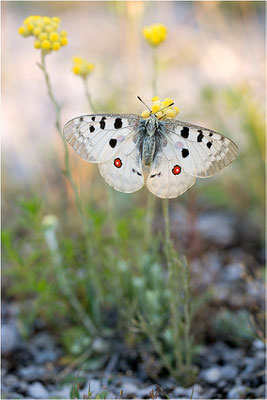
57 108
88 95
168 246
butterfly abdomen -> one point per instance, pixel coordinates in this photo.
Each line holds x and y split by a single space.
148 151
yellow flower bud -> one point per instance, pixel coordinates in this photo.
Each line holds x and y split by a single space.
40 23
76 69
77 59
49 29
167 102
47 20
155 108
145 114
56 19
46 45
64 41
155 34
63 33
30 27
37 44
53 37
37 31
21 30
56 46
156 98
43 36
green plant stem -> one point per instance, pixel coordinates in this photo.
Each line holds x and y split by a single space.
62 278
88 95
67 171
155 72
168 245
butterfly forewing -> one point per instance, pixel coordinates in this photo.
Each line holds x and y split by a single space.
97 137
202 152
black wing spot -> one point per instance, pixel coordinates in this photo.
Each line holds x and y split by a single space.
185 132
209 144
118 123
210 134
102 123
92 128
200 136
113 143
153 176
93 118
81 119
185 153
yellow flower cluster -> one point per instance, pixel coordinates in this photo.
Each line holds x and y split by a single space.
45 30
169 112
82 67
155 34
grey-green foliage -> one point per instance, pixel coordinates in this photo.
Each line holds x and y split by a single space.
115 283
236 327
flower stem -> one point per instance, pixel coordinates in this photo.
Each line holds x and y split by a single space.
88 95
155 72
168 245
57 108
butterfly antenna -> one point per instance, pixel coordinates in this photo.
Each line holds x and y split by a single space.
139 98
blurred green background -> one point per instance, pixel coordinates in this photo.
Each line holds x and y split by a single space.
212 66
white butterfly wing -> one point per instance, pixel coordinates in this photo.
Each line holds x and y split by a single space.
201 151
167 178
124 170
97 137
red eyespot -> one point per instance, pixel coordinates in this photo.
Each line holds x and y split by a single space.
117 162
176 170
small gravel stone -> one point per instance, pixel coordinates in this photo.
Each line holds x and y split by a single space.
32 373
211 375
10 339
258 345
229 372
207 226
178 392
37 391
237 392
129 388
11 381
233 272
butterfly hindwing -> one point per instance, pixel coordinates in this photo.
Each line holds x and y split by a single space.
202 152
124 170
97 137
167 178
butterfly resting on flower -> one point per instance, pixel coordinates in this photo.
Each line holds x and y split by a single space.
175 152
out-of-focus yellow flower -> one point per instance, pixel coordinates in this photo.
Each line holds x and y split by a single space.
82 67
168 112
155 34
45 30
